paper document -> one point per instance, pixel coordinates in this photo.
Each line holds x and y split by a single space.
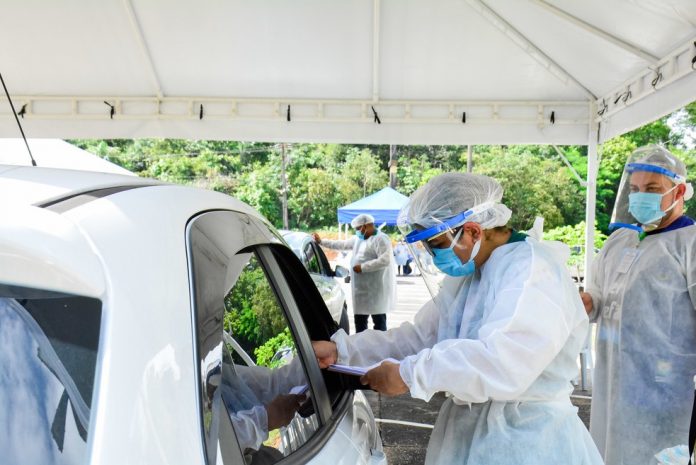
357 371
299 390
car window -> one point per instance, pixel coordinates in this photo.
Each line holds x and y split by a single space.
311 259
250 363
257 322
49 351
323 261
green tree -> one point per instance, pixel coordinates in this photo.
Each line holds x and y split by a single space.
413 173
259 188
361 175
313 199
574 237
533 186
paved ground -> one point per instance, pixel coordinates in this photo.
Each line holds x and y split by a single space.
411 295
405 444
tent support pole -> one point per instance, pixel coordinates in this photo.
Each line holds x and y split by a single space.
630 48
530 48
590 206
591 199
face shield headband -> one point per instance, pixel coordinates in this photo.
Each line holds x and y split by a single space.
633 167
446 225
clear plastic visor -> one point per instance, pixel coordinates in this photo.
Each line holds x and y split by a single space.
419 241
647 179
423 256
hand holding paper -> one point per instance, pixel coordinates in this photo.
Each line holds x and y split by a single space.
383 376
385 379
357 371
325 352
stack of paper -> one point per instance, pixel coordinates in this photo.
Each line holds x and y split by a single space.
357 371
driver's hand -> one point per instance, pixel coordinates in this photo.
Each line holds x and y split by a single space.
281 410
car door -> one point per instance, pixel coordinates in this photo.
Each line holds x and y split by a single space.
321 274
247 285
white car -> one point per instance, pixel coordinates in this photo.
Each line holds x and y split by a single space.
139 323
325 278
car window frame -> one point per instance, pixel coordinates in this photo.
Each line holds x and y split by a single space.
286 300
329 412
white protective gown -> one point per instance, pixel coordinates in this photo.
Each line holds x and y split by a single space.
374 289
644 301
247 389
505 351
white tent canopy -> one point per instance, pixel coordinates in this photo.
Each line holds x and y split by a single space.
365 71
435 71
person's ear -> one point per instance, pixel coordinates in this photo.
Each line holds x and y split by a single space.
473 229
680 191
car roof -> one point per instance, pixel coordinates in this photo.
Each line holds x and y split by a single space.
53 215
37 185
295 239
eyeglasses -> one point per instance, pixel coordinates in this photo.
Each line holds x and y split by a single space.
454 233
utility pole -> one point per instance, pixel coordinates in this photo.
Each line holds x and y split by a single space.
392 167
284 189
469 159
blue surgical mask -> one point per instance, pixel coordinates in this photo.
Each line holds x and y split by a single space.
449 263
360 235
645 206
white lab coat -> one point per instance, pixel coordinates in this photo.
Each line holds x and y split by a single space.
644 302
401 254
374 289
504 350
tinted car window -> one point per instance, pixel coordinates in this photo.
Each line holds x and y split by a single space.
311 259
247 348
50 344
255 319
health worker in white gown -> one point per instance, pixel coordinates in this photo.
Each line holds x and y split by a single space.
373 283
500 337
642 295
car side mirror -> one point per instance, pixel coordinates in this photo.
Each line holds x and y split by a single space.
342 272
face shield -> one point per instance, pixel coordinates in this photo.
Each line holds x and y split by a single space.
433 249
434 216
648 189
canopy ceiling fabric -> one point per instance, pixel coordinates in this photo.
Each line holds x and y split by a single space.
384 205
361 71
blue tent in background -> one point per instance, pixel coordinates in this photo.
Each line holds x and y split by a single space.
384 205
